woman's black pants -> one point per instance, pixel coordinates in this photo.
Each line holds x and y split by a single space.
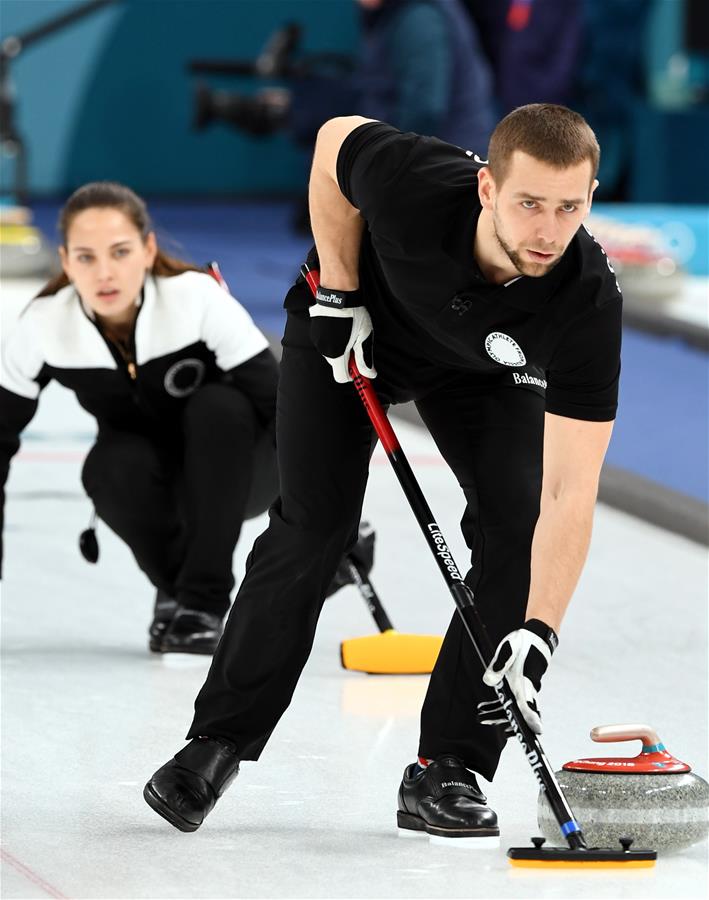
491 437
179 503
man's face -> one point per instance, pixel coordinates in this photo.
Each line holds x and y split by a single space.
537 210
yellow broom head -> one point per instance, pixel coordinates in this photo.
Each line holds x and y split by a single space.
587 864
592 858
391 653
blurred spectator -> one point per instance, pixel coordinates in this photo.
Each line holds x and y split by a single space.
534 48
420 67
611 83
587 54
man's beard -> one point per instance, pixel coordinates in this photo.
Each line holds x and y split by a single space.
532 269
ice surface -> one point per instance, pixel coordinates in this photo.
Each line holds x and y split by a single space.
89 714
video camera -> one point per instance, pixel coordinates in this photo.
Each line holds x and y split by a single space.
266 110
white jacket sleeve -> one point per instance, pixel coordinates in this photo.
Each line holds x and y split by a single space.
22 358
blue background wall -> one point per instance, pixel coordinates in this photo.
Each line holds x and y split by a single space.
110 96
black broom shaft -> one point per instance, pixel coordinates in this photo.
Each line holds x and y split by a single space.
370 596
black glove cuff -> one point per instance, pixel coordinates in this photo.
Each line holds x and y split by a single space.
337 299
542 630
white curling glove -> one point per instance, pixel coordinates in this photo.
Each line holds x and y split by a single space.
523 657
339 326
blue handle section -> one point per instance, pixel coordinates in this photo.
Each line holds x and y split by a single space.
570 827
653 748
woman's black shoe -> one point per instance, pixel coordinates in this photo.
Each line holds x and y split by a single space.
192 631
444 801
184 790
163 614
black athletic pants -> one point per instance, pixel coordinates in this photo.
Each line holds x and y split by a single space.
179 501
491 437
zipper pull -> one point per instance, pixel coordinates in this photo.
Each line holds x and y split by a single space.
132 371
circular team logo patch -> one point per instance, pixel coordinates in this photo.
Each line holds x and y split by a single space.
504 349
184 377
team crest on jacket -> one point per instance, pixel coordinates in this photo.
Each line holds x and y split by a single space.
504 349
184 377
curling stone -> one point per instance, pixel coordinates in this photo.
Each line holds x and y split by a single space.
652 797
24 251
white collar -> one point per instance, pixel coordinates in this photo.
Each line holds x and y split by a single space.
148 284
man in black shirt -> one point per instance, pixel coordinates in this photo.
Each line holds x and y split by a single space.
497 312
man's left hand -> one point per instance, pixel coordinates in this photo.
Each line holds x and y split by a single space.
523 657
341 326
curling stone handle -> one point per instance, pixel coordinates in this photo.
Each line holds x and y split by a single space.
634 732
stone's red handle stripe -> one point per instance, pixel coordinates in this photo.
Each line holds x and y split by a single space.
654 757
367 394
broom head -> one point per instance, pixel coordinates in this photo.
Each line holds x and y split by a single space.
391 653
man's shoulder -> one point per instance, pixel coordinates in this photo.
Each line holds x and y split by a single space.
444 162
594 269
405 183
416 154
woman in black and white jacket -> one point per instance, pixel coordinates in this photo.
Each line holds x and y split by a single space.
183 387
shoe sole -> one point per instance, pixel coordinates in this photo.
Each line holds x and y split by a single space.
414 826
194 651
159 647
162 809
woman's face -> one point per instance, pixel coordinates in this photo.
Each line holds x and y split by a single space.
106 258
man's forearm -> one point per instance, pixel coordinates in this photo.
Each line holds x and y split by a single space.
336 224
559 550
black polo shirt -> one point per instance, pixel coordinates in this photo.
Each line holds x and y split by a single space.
419 198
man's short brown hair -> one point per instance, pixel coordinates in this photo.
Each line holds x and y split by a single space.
549 133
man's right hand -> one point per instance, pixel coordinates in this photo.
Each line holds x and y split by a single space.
339 326
522 657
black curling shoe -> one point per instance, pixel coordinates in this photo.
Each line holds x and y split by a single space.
444 801
184 790
163 614
192 631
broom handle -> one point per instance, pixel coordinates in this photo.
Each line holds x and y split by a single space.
369 595
462 597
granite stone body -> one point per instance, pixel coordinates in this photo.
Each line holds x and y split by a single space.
660 812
